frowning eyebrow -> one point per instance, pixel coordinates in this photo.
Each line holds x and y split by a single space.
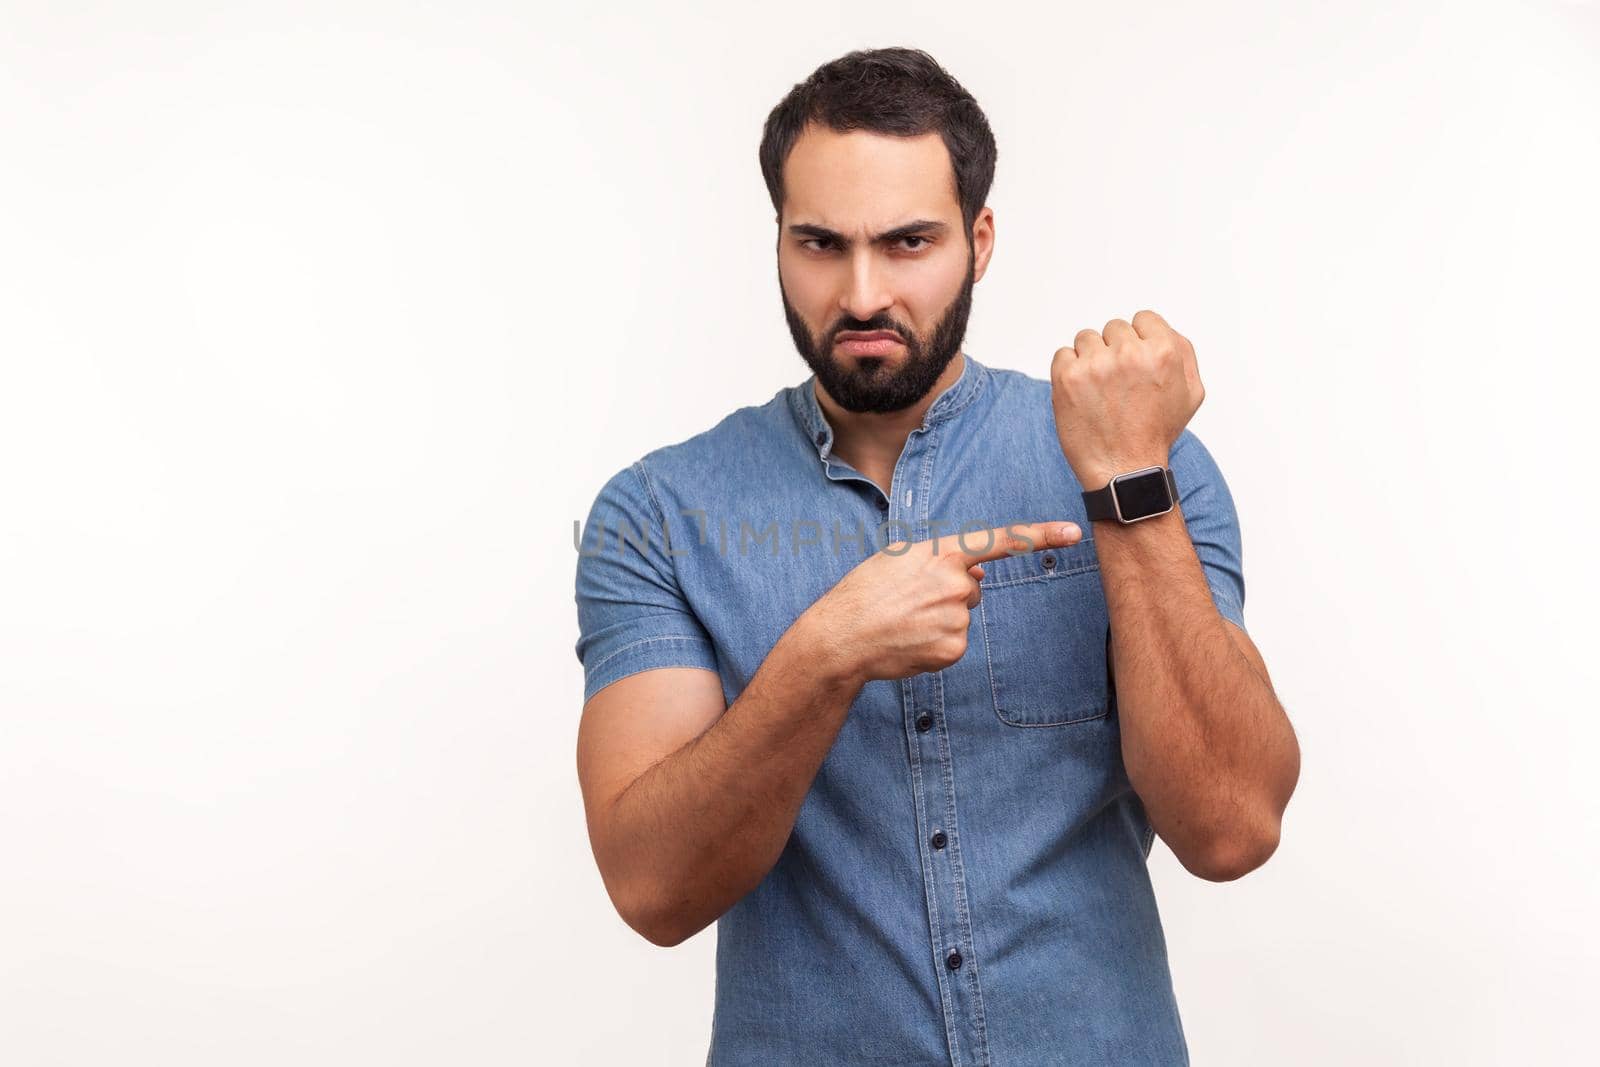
920 226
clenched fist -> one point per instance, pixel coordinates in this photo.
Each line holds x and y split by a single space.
1123 396
906 608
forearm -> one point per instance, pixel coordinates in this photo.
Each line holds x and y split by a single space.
1205 742
701 828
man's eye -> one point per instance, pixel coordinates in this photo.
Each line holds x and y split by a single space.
824 243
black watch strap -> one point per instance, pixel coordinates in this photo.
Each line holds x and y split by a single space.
1098 503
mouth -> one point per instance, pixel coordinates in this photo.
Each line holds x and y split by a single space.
877 343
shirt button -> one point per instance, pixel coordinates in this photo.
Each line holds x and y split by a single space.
939 840
1049 561
953 961
883 505
924 722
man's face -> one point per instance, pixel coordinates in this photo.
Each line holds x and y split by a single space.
870 240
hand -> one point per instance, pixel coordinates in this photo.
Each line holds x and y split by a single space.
905 609
1121 400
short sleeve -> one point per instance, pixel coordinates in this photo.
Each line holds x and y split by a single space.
1213 523
632 616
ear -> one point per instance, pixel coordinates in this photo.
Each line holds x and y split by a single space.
982 241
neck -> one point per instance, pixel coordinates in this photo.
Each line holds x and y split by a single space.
865 439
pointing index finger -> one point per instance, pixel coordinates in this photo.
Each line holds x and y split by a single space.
1014 539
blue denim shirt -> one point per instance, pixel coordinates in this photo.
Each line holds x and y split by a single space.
966 882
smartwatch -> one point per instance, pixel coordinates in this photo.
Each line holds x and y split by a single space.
1140 494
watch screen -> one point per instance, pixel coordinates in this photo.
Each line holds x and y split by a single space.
1144 494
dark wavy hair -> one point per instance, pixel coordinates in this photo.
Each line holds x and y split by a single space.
898 91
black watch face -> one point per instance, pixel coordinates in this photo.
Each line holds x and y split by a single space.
1142 494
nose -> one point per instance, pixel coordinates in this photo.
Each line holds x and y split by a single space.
867 293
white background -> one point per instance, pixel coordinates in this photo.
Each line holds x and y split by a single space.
321 323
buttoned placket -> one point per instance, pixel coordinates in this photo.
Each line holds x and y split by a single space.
930 762
933 787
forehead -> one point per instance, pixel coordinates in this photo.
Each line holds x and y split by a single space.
866 181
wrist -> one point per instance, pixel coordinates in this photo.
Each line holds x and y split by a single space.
823 657
1097 473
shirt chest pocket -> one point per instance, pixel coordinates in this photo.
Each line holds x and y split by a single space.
1045 631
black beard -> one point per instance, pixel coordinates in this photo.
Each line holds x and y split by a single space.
871 388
